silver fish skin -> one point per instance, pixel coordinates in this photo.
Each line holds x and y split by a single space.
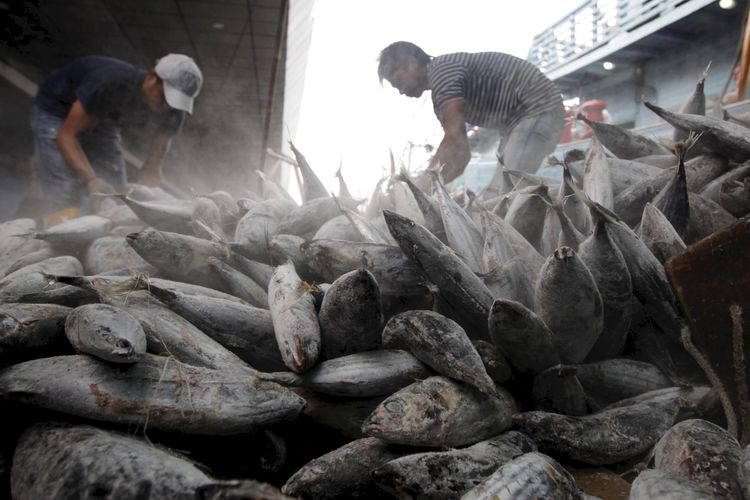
706 218
703 453
380 372
568 301
660 161
462 234
438 411
106 332
624 143
341 473
513 280
23 258
493 225
370 230
611 380
24 326
179 257
557 389
245 330
57 460
272 190
457 284
597 180
13 249
152 392
164 215
395 274
529 476
441 344
526 213
734 197
169 334
614 434
310 216
712 190
351 315
654 483
283 247
612 277
574 208
650 285
337 228
700 171
622 173
439 475
76 233
258 271
239 284
205 221
404 201
522 336
295 320
719 136
659 235
112 254
261 222
33 283
312 187
433 220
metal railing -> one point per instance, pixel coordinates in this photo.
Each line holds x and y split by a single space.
592 25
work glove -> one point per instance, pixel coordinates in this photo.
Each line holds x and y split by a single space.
97 189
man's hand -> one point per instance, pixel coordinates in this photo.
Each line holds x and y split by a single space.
149 177
97 188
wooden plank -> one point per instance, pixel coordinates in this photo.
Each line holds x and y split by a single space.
709 277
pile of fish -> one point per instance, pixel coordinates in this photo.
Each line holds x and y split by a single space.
524 346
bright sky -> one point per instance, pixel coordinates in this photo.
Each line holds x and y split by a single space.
347 117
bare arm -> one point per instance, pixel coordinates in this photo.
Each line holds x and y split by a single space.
151 171
453 152
76 123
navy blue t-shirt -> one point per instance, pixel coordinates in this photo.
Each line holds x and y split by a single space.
108 89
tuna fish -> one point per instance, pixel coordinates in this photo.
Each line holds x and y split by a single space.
457 284
439 475
613 434
703 453
531 475
522 337
441 344
106 332
659 235
294 318
341 473
56 461
365 374
569 303
438 411
351 315
654 483
156 392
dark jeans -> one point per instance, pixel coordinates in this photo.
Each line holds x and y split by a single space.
60 186
529 143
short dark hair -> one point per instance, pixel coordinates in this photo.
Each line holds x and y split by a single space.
396 56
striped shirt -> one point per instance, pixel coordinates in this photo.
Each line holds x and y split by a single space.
499 90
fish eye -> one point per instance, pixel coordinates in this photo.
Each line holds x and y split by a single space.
395 406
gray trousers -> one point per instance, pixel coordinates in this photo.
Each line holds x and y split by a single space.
528 144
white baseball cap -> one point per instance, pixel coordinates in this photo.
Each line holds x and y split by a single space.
182 80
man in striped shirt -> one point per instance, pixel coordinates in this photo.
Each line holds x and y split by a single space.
489 89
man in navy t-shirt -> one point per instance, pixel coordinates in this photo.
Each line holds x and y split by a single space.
81 108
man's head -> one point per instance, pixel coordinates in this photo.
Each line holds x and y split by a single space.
174 82
404 65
